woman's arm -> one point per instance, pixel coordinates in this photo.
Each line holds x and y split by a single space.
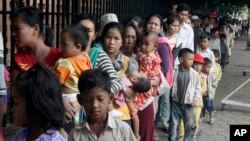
104 63
164 54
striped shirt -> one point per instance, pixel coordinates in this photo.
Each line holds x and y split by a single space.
104 63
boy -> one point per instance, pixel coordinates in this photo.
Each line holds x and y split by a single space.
95 96
224 50
197 65
215 40
203 49
185 94
211 85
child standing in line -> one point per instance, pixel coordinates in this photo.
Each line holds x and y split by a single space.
204 49
224 50
38 104
74 40
185 94
95 96
217 71
211 86
197 65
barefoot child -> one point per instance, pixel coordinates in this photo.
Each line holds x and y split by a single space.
38 105
95 96
74 40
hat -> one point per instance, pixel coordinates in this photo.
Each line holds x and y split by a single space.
105 19
198 58
213 14
195 17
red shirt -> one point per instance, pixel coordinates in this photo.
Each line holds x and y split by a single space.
24 60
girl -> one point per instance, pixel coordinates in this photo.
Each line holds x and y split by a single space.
74 40
131 39
38 105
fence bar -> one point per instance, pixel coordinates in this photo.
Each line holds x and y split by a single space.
57 23
53 15
4 29
35 3
47 12
27 2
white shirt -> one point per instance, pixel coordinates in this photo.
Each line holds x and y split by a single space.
115 130
208 53
186 37
215 44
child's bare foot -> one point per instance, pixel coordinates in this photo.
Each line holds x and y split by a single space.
181 138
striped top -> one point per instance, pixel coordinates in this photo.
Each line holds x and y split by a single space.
104 63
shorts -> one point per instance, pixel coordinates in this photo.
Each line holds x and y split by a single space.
208 104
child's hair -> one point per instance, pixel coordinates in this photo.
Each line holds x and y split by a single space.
30 15
223 36
150 33
79 34
154 15
214 30
142 85
109 26
216 52
182 7
170 20
42 93
94 78
184 51
204 36
207 61
85 17
48 35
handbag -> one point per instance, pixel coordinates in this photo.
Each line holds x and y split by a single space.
164 86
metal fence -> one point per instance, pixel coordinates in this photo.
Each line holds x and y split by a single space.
60 13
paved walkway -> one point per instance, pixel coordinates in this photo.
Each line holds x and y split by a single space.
231 79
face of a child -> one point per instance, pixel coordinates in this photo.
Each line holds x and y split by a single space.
206 68
204 43
187 60
19 109
113 41
197 66
95 102
68 47
133 76
147 44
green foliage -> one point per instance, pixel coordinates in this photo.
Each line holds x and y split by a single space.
232 6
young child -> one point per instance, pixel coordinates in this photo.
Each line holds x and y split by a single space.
74 40
203 49
149 63
38 105
224 50
185 94
95 97
197 65
135 82
217 71
209 95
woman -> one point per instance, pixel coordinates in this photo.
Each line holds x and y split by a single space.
111 38
131 38
27 24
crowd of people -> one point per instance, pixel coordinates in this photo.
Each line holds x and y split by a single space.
118 83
